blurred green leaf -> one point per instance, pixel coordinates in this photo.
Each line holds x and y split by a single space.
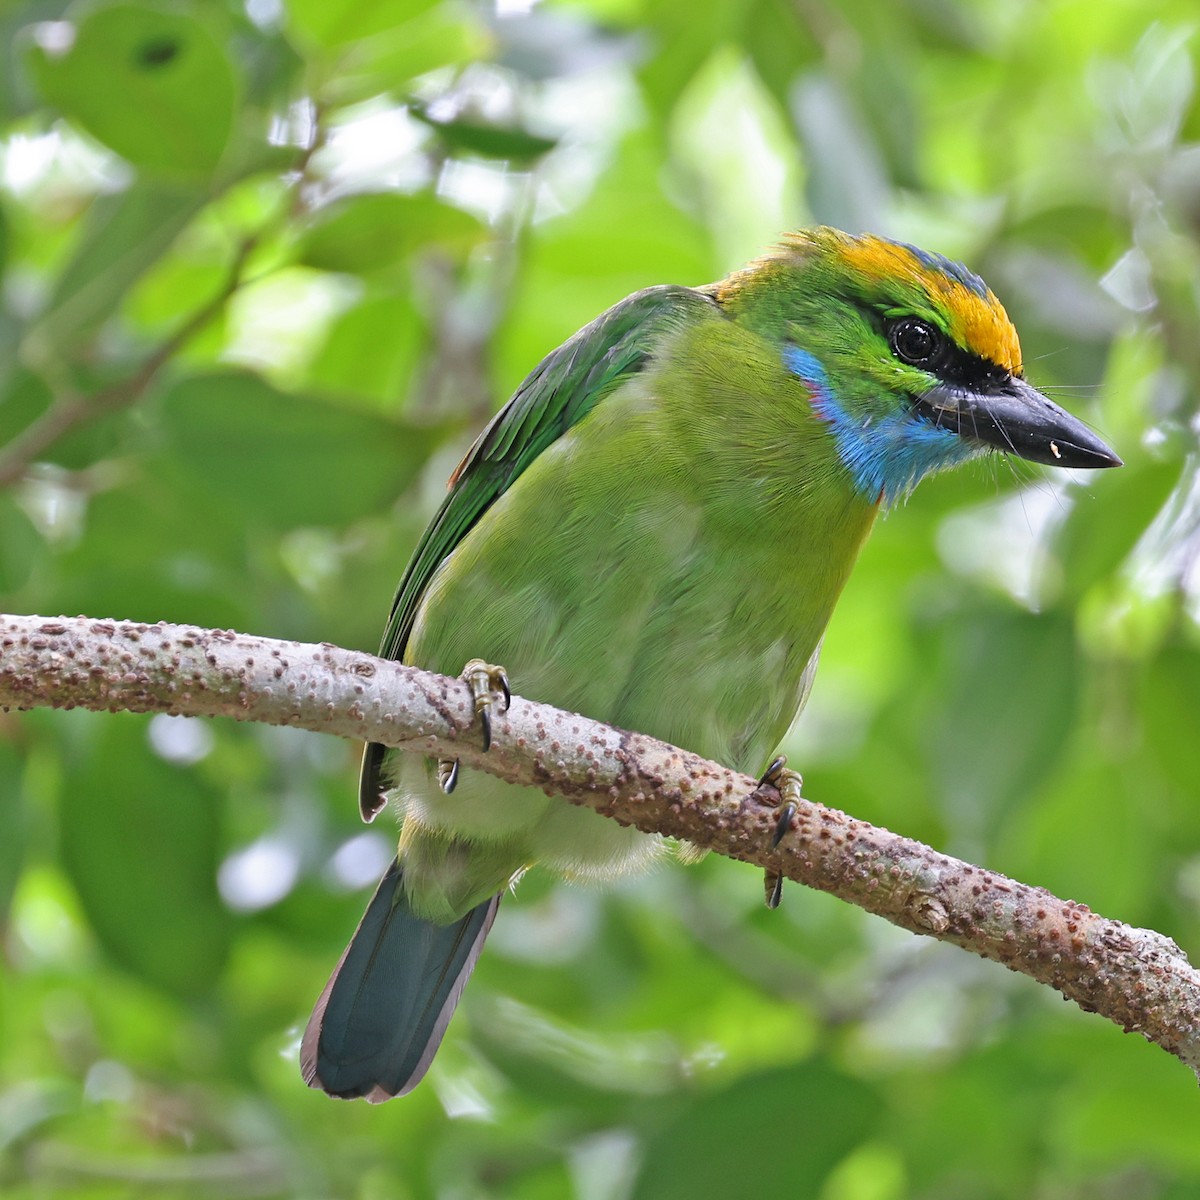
23 398
779 44
371 349
140 840
778 1133
443 35
953 1142
682 37
890 105
1168 704
847 180
373 231
10 340
1095 836
15 15
122 237
13 819
467 135
334 23
19 545
145 553
1007 696
271 69
1147 1120
152 83
284 460
1106 522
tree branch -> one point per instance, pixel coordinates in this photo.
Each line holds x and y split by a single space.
1137 978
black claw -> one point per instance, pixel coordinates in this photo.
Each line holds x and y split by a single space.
449 780
506 690
776 892
370 806
783 824
485 719
777 765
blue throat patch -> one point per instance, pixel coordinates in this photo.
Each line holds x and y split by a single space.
886 456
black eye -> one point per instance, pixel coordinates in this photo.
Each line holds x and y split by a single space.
916 342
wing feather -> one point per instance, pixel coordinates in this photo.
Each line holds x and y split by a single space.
556 395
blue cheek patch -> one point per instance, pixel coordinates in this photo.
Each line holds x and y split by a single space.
887 456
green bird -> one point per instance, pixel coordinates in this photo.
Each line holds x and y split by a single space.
654 531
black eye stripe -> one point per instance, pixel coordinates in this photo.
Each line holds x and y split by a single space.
918 343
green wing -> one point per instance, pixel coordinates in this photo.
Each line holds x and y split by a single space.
559 392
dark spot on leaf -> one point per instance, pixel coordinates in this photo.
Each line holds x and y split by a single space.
157 52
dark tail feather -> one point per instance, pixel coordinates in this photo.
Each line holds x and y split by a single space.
382 1014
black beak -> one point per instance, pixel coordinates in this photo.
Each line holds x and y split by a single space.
1017 418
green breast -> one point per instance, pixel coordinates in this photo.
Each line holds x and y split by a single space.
670 563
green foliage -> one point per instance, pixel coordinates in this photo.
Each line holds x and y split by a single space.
727 1141
376 231
156 87
266 270
156 914
258 451
122 236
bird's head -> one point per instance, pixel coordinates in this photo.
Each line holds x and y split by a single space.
909 359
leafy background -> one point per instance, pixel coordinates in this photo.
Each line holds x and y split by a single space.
266 268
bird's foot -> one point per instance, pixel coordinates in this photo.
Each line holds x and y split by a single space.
787 784
489 685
